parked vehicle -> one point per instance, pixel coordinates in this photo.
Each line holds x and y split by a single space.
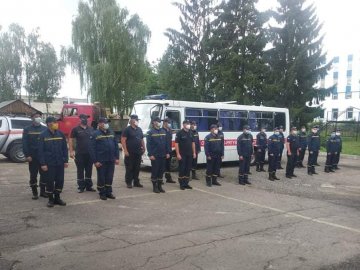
232 116
69 117
11 130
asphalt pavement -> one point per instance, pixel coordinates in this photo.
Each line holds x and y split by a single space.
300 223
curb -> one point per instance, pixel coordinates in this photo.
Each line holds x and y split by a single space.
354 157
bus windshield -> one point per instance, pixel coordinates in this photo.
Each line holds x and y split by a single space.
145 112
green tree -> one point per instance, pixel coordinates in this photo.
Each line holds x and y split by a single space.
238 40
44 72
12 50
109 48
191 42
175 76
296 60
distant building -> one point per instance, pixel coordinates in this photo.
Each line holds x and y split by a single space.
54 107
343 104
17 107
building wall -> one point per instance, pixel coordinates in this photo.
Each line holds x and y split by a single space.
54 107
345 75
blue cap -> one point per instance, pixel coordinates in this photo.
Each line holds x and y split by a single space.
50 119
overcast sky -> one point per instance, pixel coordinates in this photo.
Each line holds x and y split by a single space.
54 17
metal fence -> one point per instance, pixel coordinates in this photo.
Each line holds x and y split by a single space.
349 129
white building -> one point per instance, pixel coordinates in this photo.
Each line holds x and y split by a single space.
344 102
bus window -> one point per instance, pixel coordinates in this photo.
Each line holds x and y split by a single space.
233 120
280 120
175 119
203 117
259 120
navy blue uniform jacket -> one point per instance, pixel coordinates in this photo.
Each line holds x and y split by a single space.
30 140
213 146
274 145
244 145
103 146
53 149
157 143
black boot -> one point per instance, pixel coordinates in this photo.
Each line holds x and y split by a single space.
35 195
155 186
257 167
214 181
313 170
51 200
271 178
262 168
169 178
208 181
246 179
137 183
186 184
327 170
160 183
59 201
241 180
275 177
193 175
309 170
42 192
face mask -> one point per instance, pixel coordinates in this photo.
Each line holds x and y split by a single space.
187 126
263 130
169 125
216 131
195 127
303 130
83 122
106 126
37 120
314 130
136 123
338 133
54 126
276 132
220 128
247 132
333 135
294 132
157 124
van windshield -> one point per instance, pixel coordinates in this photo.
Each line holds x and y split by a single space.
145 112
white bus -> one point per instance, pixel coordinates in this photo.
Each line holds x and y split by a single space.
232 116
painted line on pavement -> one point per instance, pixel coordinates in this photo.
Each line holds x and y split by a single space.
282 211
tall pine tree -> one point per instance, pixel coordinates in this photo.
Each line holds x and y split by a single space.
297 60
238 41
191 42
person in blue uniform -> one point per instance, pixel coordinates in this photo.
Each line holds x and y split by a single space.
282 140
132 142
169 135
30 142
185 153
313 148
332 149
337 156
195 133
222 137
274 150
245 151
214 153
302 135
53 157
104 153
261 146
81 135
158 151
292 147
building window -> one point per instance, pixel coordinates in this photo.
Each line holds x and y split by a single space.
336 60
348 95
336 75
349 73
334 114
349 113
335 96
350 58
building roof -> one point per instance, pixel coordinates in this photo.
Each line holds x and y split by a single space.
17 107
